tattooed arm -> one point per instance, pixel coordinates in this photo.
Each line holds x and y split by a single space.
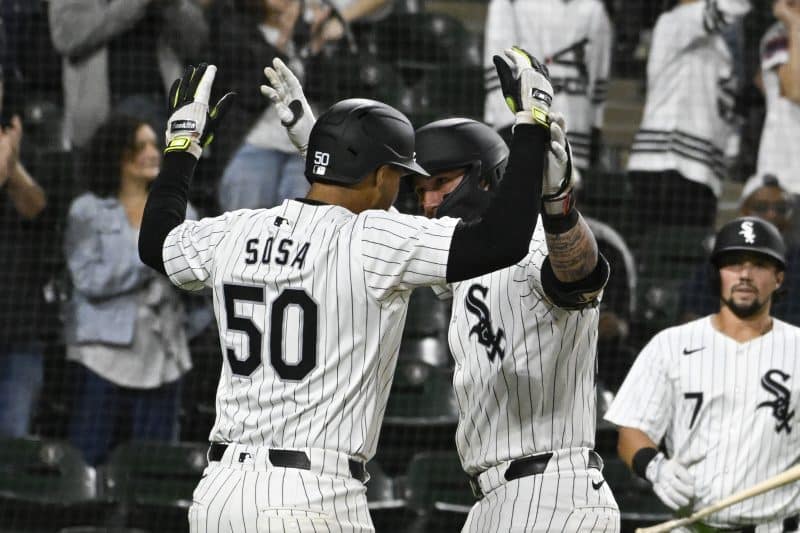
573 254
574 272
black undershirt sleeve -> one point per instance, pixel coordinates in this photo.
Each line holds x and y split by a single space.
165 207
501 237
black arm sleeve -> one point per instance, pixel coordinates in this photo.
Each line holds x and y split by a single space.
503 234
577 294
166 207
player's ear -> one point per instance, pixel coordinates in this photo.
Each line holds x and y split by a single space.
779 279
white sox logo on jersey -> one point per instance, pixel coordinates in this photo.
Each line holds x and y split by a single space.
747 232
780 405
494 343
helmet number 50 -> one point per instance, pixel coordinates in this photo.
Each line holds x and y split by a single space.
289 297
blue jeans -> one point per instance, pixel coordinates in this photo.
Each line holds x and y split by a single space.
21 375
102 405
257 178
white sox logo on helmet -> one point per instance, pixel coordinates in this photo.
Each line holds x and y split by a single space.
747 232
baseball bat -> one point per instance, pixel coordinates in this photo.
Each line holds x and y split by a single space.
784 478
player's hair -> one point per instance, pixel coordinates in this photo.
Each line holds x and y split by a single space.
114 140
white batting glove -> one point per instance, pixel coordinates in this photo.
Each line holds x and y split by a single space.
526 86
559 176
287 95
192 121
672 483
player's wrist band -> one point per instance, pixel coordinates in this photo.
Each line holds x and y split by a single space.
641 459
559 216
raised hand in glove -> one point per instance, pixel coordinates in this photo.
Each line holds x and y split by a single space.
525 83
287 95
192 122
559 174
672 482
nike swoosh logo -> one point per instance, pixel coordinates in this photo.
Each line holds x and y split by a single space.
687 351
596 486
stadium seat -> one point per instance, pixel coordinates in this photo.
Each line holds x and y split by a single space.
668 256
422 395
153 482
438 491
387 505
427 315
421 415
432 351
45 484
425 40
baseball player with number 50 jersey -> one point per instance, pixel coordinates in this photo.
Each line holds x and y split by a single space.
723 392
310 298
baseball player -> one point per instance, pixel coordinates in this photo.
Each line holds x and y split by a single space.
524 340
722 391
311 296
576 38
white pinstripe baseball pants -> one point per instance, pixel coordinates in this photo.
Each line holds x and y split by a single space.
245 494
563 498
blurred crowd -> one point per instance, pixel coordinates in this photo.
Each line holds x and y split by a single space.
97 349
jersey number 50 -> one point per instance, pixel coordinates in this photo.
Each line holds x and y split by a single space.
308 354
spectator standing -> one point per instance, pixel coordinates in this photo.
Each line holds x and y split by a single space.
575 39
326 27
124 326
122 55
22 202
678 154
266 168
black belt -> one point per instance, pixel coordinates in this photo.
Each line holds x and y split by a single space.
287 459
529 466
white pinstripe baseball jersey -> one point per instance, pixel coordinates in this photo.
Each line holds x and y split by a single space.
524 368
310 303
688 119
573 38
726 411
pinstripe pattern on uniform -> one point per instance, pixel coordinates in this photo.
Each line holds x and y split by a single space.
539 397
544 386
543 508
356 273
728 442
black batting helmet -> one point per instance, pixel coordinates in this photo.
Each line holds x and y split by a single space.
461 142
355 137
750 234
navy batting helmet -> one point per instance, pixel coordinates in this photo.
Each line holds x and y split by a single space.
750 234
461 142
355 137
